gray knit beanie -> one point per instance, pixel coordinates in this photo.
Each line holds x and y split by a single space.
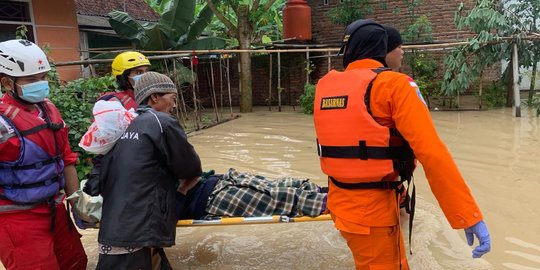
151 83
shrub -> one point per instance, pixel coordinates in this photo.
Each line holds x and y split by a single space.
308 98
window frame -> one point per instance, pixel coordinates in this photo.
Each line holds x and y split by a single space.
31 25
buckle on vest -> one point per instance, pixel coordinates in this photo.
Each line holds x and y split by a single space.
38 165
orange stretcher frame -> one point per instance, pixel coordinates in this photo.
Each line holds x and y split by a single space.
250 220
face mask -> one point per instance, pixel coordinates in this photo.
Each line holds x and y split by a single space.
35 92
136 78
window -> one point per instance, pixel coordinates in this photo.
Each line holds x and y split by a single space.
14 13
325 2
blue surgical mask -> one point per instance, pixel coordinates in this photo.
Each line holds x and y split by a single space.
35 92
136 78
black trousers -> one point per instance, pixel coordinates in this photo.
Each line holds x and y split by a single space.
139 260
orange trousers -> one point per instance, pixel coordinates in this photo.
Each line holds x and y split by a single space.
378 250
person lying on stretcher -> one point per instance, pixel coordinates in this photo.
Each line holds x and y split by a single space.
236 194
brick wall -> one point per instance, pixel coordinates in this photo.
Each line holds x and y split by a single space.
293 74
293 77
440 12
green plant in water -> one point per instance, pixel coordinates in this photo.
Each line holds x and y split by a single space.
494 96
75 102
307 99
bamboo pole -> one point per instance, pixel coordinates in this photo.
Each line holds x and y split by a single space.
480 90
185 114
279 80
178 109
221 85
195 109
270 85
515 67
229 85
307 66
329 61
214 99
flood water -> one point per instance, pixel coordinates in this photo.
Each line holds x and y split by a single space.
497 154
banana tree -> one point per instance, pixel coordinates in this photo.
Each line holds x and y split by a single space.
177 29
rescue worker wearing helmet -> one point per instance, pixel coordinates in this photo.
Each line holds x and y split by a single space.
372 125
36 167
127 67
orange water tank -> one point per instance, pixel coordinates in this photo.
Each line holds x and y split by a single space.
297 20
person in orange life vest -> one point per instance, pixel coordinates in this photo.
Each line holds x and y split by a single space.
388 128
127 67
36 167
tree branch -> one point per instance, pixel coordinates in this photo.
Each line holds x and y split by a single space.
222 17
255 5
269 4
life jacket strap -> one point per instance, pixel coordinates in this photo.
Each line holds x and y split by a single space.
36 165
33 185
364 152
395 185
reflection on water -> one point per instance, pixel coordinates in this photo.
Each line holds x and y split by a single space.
498 155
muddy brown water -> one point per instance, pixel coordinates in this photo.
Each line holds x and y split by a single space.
498 155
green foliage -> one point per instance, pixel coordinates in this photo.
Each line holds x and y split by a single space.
350 11
266 23
535 105
75 101
420 30
423 66
490 20
307 99
424 73
20 32
178 28
494 96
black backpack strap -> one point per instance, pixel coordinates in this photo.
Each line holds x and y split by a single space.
367 97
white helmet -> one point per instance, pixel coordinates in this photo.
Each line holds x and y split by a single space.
19 58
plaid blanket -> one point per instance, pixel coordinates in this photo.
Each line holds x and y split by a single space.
246 195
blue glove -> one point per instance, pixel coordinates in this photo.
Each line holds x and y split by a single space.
481 232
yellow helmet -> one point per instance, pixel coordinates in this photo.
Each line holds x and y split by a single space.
128 60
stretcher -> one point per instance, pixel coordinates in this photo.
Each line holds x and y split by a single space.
250 220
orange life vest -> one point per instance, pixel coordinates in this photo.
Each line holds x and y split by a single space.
352 146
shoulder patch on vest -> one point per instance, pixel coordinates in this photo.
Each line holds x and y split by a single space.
331 103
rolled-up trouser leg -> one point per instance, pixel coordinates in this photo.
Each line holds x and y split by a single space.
378 250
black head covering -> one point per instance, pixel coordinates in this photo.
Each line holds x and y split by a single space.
364 39
394 38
